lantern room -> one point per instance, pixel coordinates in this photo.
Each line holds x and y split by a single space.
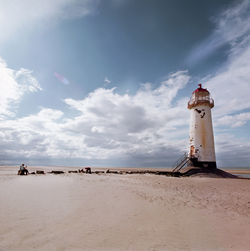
200 96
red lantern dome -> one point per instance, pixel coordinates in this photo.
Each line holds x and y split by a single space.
200 89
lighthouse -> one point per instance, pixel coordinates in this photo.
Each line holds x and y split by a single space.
201 143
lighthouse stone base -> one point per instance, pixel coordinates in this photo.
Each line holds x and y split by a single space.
202 164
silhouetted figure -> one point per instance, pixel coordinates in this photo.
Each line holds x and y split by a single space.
88 170
23 170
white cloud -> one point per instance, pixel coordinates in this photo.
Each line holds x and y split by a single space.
232 151
17 16
231 25
230 87
107 81
14 84
234 120
110 125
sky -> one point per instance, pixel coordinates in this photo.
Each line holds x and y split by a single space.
106 82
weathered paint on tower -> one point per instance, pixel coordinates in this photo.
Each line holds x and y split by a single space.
202 152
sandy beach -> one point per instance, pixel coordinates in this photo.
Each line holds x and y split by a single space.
122 212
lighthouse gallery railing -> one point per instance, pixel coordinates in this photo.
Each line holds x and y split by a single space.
200 100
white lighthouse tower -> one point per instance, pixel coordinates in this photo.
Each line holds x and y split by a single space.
201 153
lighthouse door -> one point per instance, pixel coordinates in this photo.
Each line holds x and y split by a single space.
192 151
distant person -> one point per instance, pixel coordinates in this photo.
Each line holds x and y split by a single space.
23 170
88 170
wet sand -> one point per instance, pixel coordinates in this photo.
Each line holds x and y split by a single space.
122 212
